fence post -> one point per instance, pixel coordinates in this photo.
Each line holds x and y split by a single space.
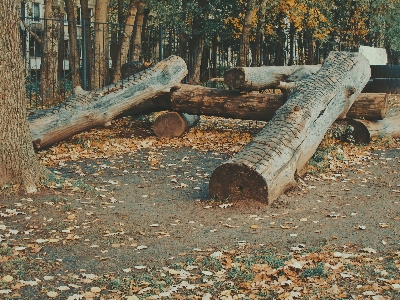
160 49
84 86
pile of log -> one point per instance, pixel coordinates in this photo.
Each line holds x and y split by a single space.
312 99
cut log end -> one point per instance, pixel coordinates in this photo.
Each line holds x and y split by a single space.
170 124
237 182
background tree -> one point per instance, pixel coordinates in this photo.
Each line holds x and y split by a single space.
18 161
101 39
70 8
49 88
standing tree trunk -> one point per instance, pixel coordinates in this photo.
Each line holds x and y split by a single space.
259 35
87 55
137 37
245 39
101 57
18 161
73 45
197 44
49 63
122 55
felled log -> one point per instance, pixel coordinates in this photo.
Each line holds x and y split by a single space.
369 106
383 85
171 124
385 71
266 167
362 131
85 110
199 100
267 77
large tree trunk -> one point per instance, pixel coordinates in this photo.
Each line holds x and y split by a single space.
49 61
73 43
87 55
87 110
18 161
137 37
198 100
362 131
261 78
197 45
122 56
266 167
101 37
245 38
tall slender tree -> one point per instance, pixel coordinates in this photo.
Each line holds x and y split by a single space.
72 43
49 65
18 161
101 39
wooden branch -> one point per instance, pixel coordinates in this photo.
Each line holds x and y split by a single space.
362 131
266 167
87 110
261 78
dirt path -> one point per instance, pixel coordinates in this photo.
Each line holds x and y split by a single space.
148 205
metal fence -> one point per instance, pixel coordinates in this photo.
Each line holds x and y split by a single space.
221 52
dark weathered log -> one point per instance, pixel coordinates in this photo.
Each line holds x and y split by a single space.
370 106
265 168
385 71
172 124
362 131
383 85
85 110
199 100
261 78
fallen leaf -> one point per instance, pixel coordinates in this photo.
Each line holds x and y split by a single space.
52 294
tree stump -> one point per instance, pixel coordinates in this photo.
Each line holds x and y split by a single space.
266 167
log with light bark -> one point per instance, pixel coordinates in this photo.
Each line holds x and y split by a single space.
267 77
171 124
85 110
266 167
362 131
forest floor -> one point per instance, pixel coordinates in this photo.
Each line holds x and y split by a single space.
127 216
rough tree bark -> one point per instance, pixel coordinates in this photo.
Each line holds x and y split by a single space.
137 37
87 38
266 167
18 161
245 37
196 44
49 61
101 37
73 43
87 110
122 55
261 78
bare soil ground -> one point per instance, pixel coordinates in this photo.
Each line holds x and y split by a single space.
124 204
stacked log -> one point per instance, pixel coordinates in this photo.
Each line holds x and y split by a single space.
266 167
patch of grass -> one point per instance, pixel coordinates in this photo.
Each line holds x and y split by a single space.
211 264
317 271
